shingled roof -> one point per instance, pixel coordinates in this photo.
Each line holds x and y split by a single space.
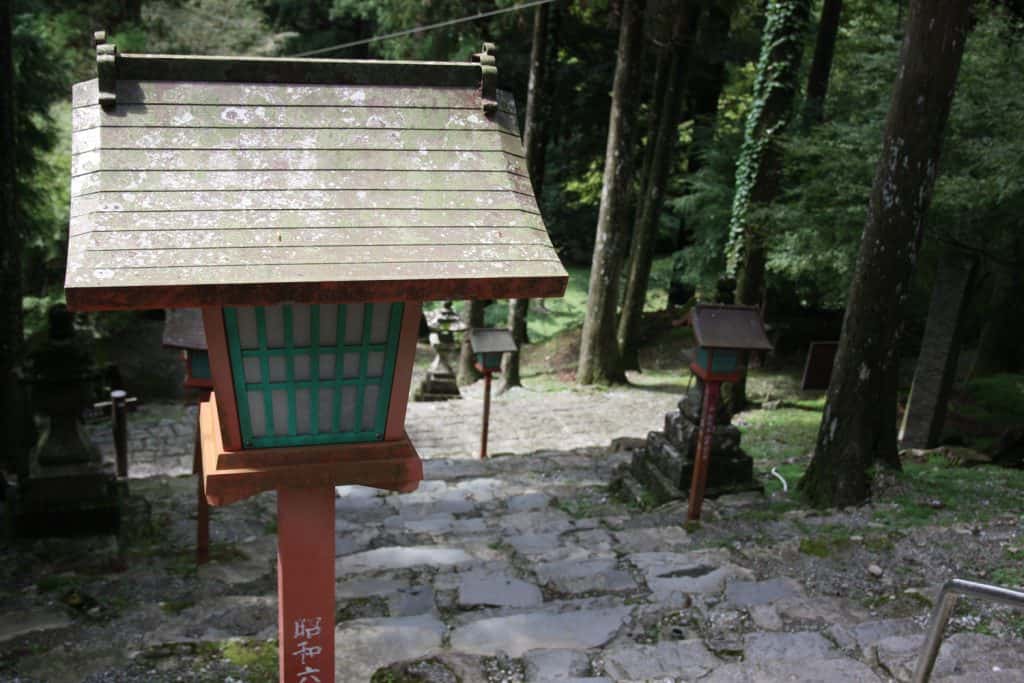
209 181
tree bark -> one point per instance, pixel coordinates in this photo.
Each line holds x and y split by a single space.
999 349
707 78
599 354
534 144
662 142
11 332
759 167
936 364
467 372
821 63
858 426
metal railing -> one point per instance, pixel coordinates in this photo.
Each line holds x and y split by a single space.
953 589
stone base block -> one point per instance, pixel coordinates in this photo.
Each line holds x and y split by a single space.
437 387
68 500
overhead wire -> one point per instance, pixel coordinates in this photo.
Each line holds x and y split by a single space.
423 28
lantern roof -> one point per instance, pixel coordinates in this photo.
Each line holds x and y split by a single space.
183 329
721 326
491 340
206 181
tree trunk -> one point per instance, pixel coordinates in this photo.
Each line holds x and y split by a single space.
940 347
533 143
821 64
599 354
858 427
759 167
707 78
999 349
467 372
662 142
11 332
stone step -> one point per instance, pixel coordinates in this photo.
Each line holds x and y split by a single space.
656 483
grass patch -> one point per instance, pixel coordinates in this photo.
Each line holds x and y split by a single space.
258 658
771 436
828 540
934 492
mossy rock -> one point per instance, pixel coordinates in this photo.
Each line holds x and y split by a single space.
418 671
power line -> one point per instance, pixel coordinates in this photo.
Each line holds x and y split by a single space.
424 28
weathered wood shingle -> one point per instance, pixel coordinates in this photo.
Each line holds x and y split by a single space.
195 189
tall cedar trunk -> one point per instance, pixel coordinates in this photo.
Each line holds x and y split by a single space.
533 142
467 373
707 78
10 239
662 142
858 427
599 354
821 64
1000 349
759 167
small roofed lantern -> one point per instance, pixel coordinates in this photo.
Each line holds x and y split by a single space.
724 334
308 207
489 345
183 329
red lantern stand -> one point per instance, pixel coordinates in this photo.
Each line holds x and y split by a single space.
253 197
708 414
728 331
489 345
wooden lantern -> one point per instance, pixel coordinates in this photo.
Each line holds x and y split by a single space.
489 345
183 329
723 333
308 207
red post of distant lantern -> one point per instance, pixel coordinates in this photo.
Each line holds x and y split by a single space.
487 413
723 333
488 345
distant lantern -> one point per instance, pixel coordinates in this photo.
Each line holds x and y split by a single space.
183 329
308 207
489 345
724 334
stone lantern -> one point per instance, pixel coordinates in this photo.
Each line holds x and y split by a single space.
439 383
67 487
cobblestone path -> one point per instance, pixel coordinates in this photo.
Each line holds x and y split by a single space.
517 568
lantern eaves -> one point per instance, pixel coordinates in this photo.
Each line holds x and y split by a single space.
491 340
719 326
183 329
210 181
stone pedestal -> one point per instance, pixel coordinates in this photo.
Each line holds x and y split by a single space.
662 470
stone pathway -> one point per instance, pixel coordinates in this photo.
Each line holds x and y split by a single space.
517 568
522 420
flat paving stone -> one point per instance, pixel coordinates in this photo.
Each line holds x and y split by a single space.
686 573
838 670
364 645
585 576
497 589
400 557
686 659
15 624
750 593
656 539
555 665
519 633
961 654
770 647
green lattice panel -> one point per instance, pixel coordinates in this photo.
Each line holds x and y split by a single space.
312 374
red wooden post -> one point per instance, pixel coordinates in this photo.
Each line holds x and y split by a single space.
702 458
305 584
487 413
202 507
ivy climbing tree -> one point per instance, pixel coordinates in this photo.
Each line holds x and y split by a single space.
759 167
